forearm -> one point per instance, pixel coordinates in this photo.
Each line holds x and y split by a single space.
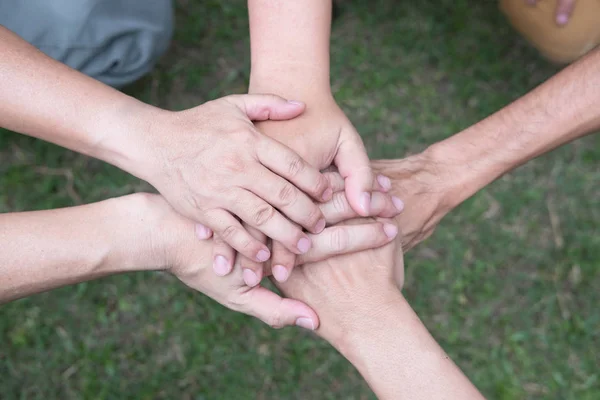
398 357
290 47
43 98
43 250
562 109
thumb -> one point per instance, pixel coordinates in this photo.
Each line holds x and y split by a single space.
262 107
279 312
354 166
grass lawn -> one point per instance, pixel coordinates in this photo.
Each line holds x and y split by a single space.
509 284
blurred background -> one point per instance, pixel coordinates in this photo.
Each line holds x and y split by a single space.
509 284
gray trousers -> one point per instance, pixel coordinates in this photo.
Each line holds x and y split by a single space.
114 41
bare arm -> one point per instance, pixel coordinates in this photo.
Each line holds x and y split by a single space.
563 109
43 250
399 358
209 162
290 47
365 317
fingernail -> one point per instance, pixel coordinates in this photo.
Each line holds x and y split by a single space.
562 19
365 202
320 225
327 194
303 245
390 230
221 266
280 273
385 182
399 204
305 323
296 103
202 232
250 277
263 256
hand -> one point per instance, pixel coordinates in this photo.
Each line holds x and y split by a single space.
176 246
564 9
428 189
212 165
343 289
344 240
323 136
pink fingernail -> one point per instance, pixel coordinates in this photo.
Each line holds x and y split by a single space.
320 225
263 256
390 230
280 273
327 194
250 277
305 323
221 266
303 245
365 202
384 182
562 19
296 103
202 232
399 204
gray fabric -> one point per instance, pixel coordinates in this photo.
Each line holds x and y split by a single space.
114 41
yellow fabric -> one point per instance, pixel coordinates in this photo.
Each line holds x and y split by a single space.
561 44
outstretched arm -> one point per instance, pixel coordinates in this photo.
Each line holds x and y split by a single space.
562 109
364 316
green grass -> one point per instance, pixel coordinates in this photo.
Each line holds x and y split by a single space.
512 300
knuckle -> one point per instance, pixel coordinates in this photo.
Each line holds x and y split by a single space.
339 203
339 240
313 216
275 320
229 233
288 194
263 214
295 165
233 163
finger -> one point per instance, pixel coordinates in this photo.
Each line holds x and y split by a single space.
203 232
262 216
355 168
262 107
531 2
223 257
346 239
278 312
382 205
230 230
284 162
382 183
564 9
288 199
335 180
252 271
282 262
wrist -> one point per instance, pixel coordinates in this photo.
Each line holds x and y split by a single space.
364 330
360 316
293 81
123 133
133 230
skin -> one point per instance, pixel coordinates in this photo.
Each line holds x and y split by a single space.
366 318
564 9
434 182
290 57
43 250
209 162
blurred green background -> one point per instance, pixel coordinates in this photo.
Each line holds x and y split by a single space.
510 295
